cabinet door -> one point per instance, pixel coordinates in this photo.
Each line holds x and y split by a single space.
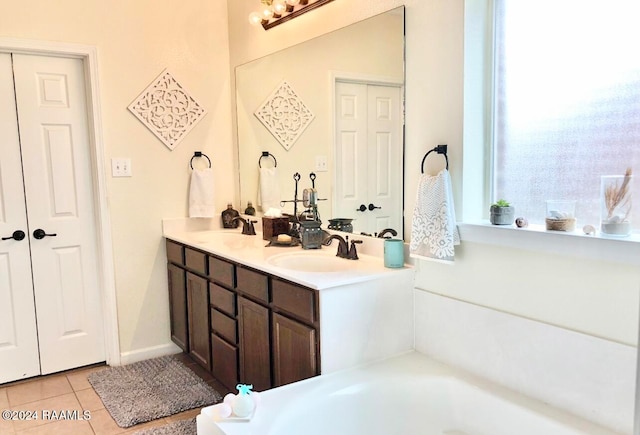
178 306
198 314
255 353
294 351
224 362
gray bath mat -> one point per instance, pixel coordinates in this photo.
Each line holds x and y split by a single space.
182 427
151 389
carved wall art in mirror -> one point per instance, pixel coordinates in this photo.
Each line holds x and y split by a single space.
353 81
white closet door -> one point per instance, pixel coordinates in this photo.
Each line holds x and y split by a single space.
18 337
368 141
54 138
384 166
351 153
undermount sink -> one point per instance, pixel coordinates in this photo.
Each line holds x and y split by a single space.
316 262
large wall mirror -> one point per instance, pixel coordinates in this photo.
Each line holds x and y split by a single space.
350 83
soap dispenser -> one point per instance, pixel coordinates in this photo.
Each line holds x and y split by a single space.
250 210
227 217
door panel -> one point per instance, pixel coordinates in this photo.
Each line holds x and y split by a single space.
54 140
18 338
368 134
384 133
295 351
198 309
253 339
351 131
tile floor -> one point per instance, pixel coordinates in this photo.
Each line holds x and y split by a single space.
70 390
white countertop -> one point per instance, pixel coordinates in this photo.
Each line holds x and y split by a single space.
252 252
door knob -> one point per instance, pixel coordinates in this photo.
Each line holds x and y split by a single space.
17 235
372 207
40 234
361 208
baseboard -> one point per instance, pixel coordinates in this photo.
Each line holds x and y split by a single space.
148 353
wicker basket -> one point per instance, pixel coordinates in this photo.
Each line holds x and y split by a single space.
561 224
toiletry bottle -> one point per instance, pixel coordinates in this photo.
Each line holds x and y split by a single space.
250 210
243 403
227 217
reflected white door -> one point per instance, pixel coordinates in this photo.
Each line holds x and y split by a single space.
55 153
369 155
18 338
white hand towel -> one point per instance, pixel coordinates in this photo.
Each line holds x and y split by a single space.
201 194
269 189
433 228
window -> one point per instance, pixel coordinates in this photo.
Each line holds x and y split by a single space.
566 102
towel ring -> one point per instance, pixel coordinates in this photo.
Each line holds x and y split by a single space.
199 154
267 154
439 149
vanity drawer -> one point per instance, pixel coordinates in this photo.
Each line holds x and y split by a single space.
224 325
222 271
299 301
175 253
222 299
253 283
195 260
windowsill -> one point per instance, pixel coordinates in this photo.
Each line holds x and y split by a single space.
536 238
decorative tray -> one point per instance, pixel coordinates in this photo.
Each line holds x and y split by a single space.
274 242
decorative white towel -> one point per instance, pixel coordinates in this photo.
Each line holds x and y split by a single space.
269 189
433 228
201 194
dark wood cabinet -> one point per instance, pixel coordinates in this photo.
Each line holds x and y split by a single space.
198 315
295 352
178 306
224 362
241 324
254 344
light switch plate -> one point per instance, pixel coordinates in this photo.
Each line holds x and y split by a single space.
121 167
322 164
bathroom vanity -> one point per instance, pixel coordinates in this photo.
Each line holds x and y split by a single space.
240 323
270 316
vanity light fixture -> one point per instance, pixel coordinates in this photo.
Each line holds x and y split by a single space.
274 12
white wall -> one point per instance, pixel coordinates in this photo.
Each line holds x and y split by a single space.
136 40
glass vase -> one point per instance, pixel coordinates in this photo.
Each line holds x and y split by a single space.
615 205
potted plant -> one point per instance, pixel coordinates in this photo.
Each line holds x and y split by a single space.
501 213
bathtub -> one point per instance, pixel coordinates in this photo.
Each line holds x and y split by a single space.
408 394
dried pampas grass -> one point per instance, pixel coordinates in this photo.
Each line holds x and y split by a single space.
617 196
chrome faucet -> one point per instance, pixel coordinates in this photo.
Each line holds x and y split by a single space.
343 246
247 225
384 232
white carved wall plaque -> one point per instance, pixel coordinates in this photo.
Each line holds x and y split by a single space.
285 115
167 109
